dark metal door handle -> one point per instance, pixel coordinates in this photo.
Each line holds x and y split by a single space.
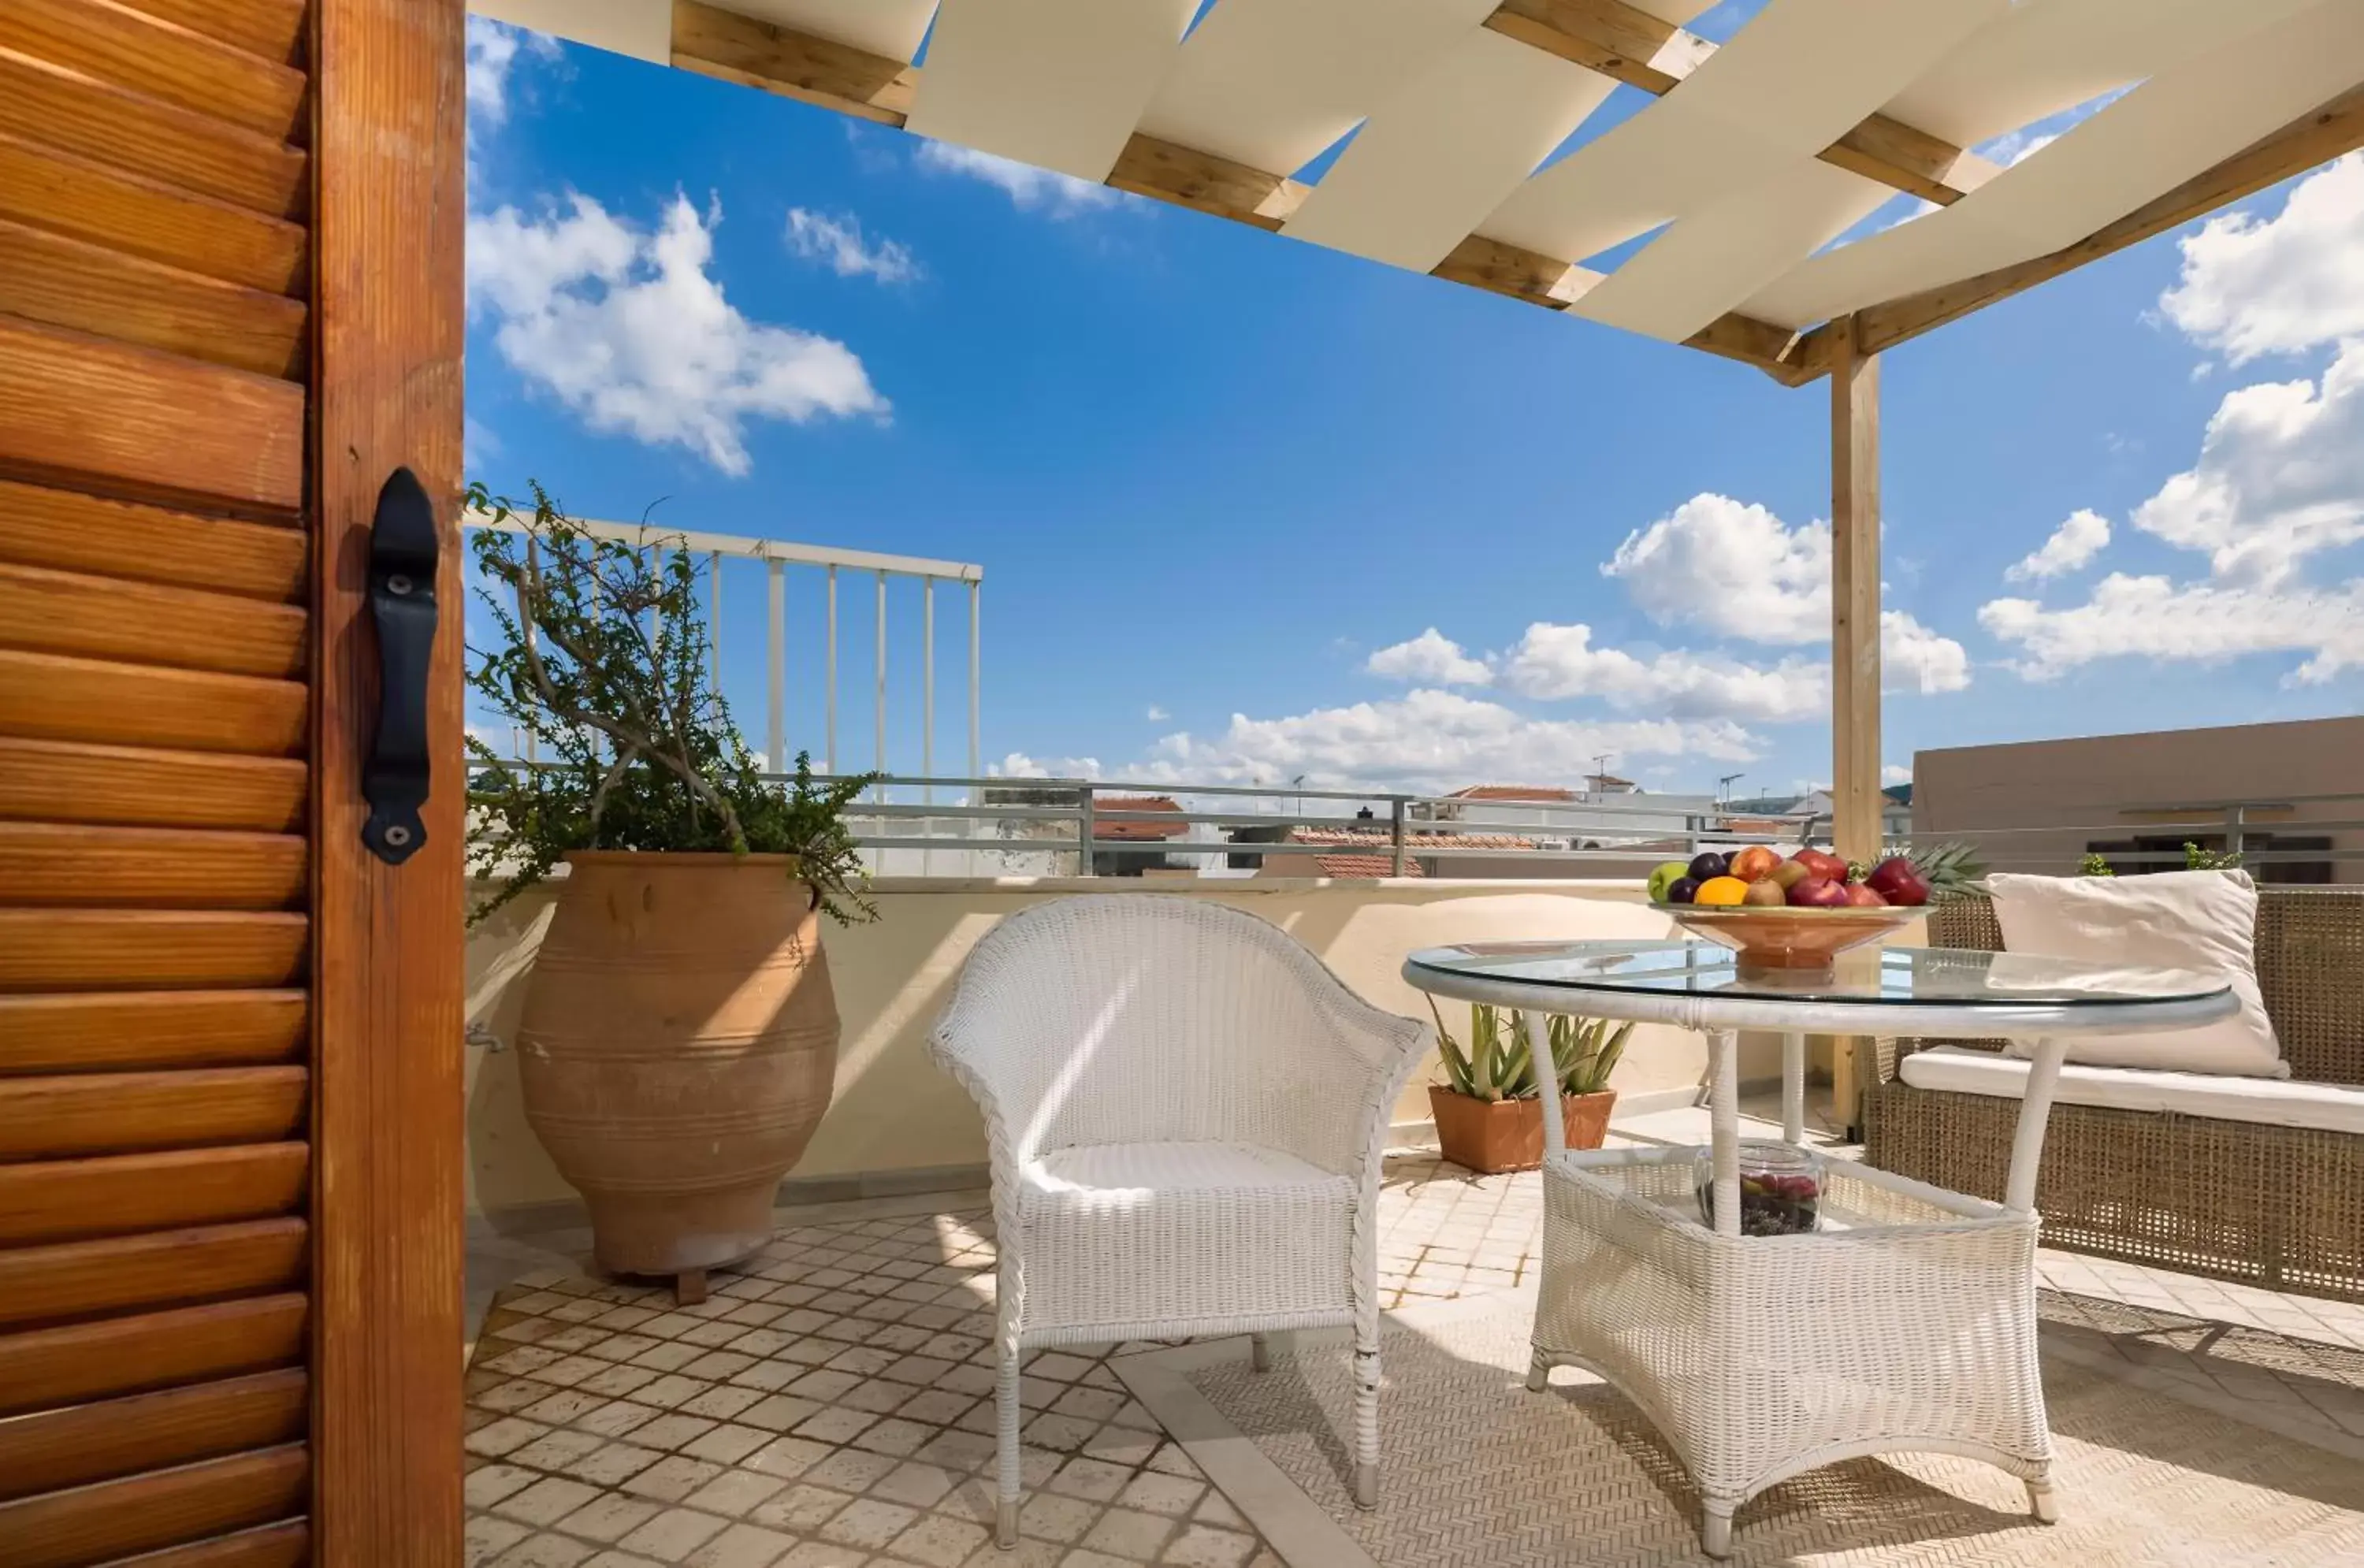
403 549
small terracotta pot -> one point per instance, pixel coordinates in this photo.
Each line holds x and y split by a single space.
679 1046
1494 1136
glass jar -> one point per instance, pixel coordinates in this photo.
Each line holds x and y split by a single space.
1780 1189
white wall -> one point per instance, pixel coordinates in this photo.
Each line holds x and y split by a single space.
894 1111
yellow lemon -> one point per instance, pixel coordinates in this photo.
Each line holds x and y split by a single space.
1723 890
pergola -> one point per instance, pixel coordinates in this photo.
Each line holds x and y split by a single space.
1755 156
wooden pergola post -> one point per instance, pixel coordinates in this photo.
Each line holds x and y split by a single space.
1854 631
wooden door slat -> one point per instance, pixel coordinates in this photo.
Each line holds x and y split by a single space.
101 1032
271 28
75 404
49 105
63 281
70 866
69 781
66 530
287 1544
163 60
163 1268
74 1114
193 1503
106 206
49 611
74 1447
153 949
51 1367
63 1200
52 696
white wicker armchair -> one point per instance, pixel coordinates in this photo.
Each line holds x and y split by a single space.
1185 1112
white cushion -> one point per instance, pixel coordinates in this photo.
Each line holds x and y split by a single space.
1117 1175
2203 920
2333 1107
1153 1240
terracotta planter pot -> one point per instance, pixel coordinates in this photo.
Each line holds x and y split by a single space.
1494 1136
678 1047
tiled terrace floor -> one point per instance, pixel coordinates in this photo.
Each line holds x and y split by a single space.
831 1407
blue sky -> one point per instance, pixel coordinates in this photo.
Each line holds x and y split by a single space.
1224 485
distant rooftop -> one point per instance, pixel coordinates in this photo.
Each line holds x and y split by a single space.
1514 792
1104 831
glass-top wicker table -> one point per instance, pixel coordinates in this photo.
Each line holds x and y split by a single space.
1906 1320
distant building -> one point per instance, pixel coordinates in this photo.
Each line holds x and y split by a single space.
2041 805
1134 863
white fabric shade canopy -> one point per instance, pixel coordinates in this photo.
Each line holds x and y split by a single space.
1744 164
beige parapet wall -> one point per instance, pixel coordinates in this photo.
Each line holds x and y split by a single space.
895 1112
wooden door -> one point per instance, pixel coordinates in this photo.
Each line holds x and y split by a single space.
230 1038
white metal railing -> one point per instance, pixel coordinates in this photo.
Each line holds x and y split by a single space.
779 557
974 825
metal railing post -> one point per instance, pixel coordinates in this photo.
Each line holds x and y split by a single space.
928 710
714 618
1085 831
1396 833
775 663
2236 819
880 712
829 729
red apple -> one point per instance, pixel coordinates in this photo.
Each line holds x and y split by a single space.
1897 879
1823 864
1818 893
1863 895
1754 863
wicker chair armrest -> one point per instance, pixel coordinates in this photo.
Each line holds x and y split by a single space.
1360 1057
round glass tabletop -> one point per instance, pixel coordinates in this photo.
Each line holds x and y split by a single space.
1886 977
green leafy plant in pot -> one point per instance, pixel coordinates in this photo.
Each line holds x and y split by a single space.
679 1039
1489 1113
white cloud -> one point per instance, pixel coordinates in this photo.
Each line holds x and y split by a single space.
1031 189
1914 659
1019 765
1156 714
478 443
492 49
2154 618
2280 475
2252 287
630 331
1429 740
1430 659
839 243
1892 774
1734 566
1556 661
2076 541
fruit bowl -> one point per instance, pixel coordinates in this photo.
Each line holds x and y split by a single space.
1789 940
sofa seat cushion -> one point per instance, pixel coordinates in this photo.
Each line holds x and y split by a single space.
2275 1102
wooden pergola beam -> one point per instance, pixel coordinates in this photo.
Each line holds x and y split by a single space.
1641 50
732 47
2324 133
1500 267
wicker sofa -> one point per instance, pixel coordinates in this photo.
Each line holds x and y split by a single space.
2238 1179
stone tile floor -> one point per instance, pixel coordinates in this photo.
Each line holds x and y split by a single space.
829 1405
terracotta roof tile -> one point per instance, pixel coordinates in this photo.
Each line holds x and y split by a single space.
1135 832
1513 792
